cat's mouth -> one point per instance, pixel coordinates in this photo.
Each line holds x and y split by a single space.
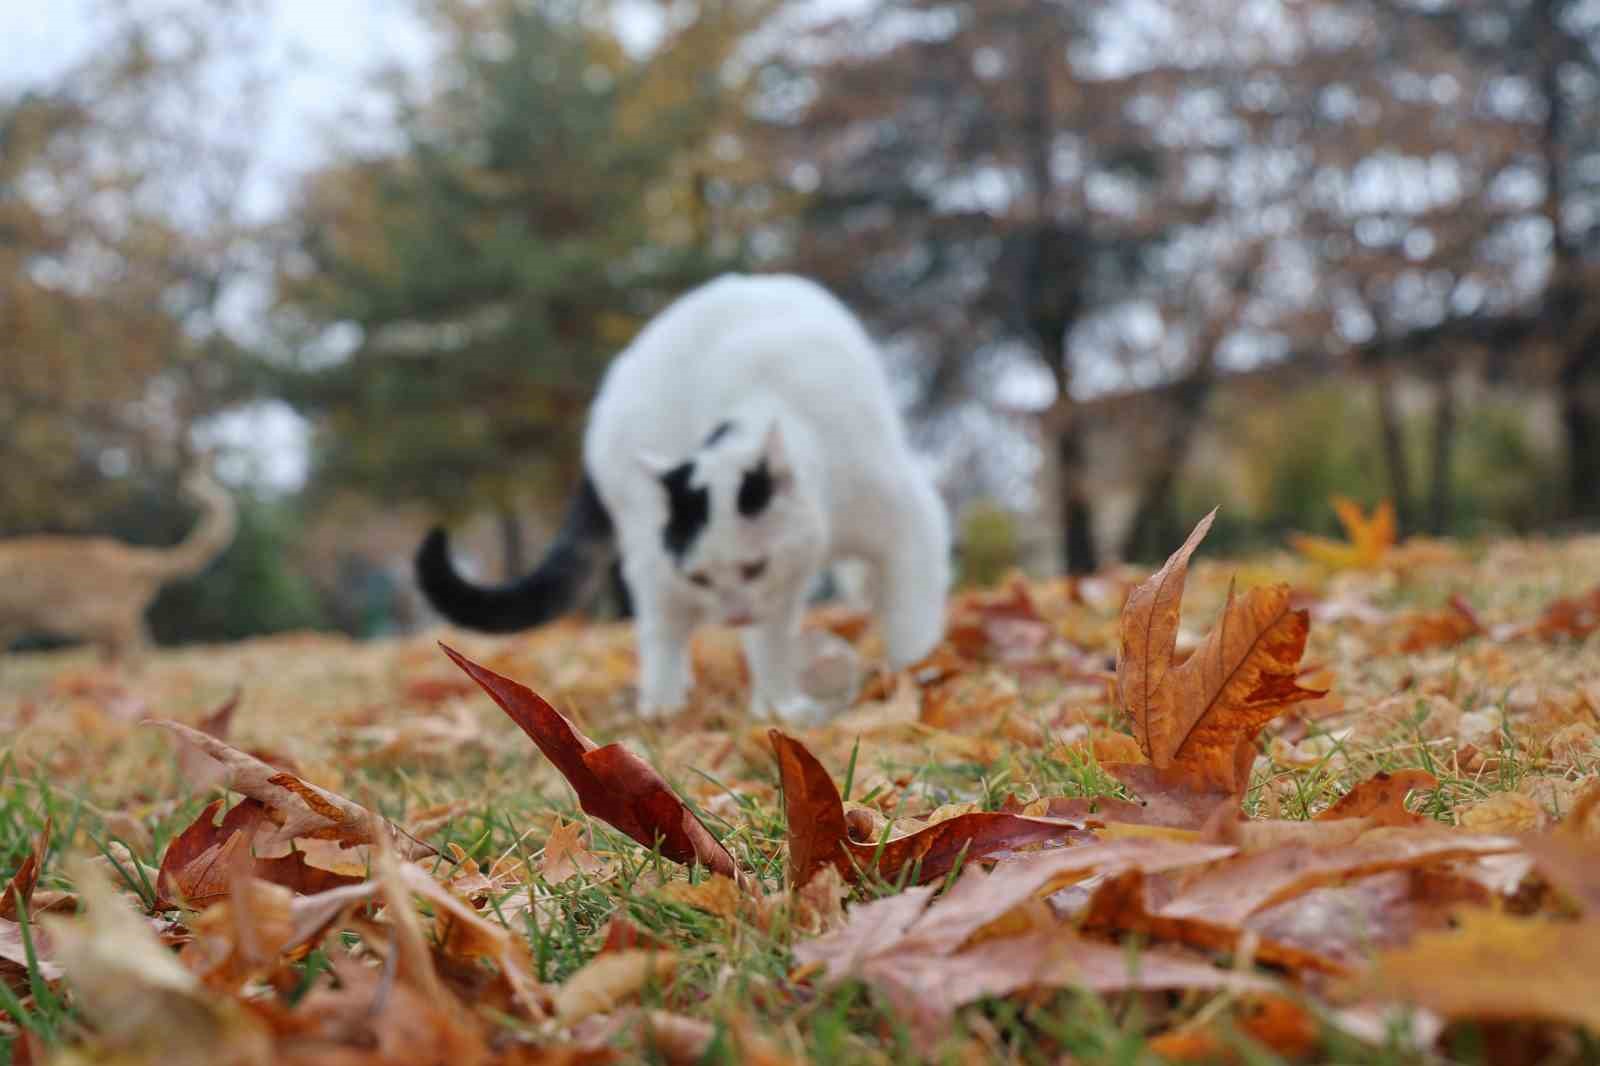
741 618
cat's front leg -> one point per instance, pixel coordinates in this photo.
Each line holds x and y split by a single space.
777 657
914 578
665 673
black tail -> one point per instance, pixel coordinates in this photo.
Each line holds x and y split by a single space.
584 543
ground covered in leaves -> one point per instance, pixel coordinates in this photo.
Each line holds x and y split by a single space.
1338 804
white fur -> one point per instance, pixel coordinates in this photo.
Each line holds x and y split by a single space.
800 379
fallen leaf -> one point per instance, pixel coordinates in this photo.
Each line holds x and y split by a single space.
241 937
1196 722
134 991
1165 801
1382 798
1349 922
1567 859
1279 1023
819 837
608 980
462 933
716 895
19 888
566 855
1497 966
196 867
1570 618
1444 628
1232 890
1118 905
917 956
297 808
1369 539
1502 812
612 783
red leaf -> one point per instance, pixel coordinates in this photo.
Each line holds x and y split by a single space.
612 783
818 836
19 889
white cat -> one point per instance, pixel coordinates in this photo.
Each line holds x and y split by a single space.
744 440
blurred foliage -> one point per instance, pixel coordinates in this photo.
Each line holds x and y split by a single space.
1505 481
251 589
543 205
1288 458
110 347
988 544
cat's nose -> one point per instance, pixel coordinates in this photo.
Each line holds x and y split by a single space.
740 618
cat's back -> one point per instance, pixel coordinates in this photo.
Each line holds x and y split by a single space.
686 335
718 342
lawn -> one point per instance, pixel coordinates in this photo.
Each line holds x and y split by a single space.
1447 912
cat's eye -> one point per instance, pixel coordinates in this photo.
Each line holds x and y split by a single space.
701 578
751 571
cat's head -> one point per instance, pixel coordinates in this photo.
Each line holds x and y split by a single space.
738 534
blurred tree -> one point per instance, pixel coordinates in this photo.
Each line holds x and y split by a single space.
109 291
1152 198
547 198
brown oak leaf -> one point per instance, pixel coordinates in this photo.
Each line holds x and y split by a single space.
1196 723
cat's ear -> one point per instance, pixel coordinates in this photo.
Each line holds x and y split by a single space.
775 453
654 464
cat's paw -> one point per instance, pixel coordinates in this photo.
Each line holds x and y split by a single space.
799 710
833 672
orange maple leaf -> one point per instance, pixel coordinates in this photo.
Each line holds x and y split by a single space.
1196 722
1370 538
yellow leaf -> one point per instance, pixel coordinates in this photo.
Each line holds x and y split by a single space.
608 980
1369 538
1496 966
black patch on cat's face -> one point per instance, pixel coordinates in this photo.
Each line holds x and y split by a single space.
722 430
755 490
688 509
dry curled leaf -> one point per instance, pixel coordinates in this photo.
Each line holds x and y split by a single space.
1196 722
197 867
297 808
612 783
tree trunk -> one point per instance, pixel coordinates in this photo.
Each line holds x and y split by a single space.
1441 498
1156 528
1077 514
1580 418
510 542
1395 461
